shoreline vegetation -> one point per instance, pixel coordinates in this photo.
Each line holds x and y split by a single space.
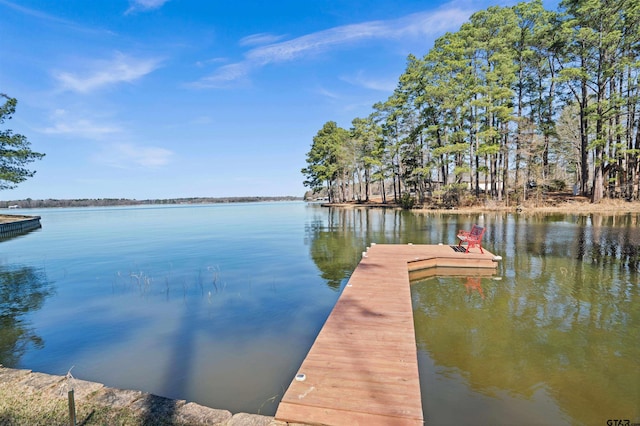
560 203
548 203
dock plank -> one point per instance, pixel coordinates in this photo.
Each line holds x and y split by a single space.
362 368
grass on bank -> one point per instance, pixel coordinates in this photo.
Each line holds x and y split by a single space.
19 409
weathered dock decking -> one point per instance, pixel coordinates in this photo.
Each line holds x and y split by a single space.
363 369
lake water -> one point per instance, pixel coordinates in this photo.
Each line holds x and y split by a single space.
219 304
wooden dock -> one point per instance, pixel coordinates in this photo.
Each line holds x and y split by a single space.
14 225
363 368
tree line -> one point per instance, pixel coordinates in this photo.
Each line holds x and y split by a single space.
518 100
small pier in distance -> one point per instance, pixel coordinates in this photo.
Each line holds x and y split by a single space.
362 368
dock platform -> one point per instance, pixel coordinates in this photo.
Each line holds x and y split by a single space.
14 225
362 368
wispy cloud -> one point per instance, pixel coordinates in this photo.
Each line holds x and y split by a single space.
327 93
68 124
448 17
35 13
370 83
128 156
226 75
206 62
144 5
51 19
121 68
316 42
122 155
202 119
260 39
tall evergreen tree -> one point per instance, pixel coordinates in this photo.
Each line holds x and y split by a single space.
483 104
323 159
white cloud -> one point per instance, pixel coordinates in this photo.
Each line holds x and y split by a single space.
66 124
119 155
121 68
260 39
327 93
206 62
144 5
51 19
449 17
203 119
373 84
128 156
226 74
81 127
315 42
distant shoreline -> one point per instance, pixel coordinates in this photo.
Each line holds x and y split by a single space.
112 202
578 205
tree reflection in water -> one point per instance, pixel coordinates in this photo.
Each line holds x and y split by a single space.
22 291
337 237
336 246
564 322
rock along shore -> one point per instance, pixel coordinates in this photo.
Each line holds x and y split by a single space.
35 390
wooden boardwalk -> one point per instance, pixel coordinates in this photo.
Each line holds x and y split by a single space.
363 368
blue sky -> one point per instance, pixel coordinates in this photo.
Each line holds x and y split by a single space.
191 98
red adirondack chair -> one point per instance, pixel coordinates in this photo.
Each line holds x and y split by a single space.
473 238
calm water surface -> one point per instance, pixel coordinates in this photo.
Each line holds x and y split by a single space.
219 304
